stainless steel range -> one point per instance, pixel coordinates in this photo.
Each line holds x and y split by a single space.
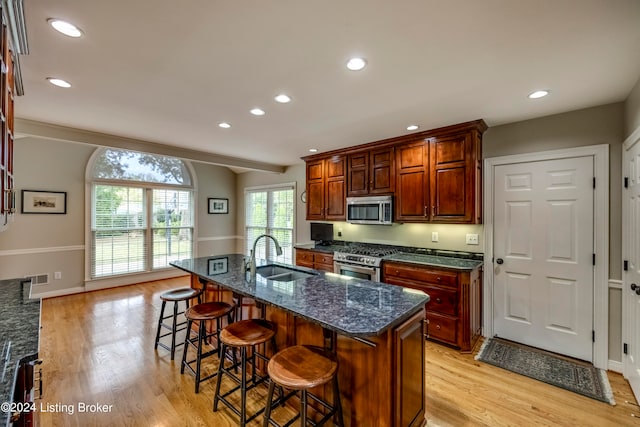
361 261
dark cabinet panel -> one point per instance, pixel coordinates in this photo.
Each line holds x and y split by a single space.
326 191
454 312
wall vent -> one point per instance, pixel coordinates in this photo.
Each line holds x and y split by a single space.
38 279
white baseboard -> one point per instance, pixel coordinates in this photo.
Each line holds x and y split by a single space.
58 293
615 366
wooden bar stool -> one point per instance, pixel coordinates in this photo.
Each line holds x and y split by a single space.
245 334
301 368
201 313
175 296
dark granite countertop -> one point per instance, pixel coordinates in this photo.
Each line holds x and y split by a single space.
349 306
435 260
424 256
20 332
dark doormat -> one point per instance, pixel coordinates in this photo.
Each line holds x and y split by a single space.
569 374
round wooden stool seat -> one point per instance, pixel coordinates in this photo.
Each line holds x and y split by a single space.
248 332
302 367
208 310
181 294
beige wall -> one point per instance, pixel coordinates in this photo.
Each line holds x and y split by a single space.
44 244
632 111
216 232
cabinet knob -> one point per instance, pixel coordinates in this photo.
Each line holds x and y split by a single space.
426 211
438 278
438 300
438 327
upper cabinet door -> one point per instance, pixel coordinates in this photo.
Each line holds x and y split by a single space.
326 189
455 181
450 179
371 172
412 189
382 176
358 166
335 189
315 190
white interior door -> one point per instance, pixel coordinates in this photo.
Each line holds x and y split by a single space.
631 253
543 249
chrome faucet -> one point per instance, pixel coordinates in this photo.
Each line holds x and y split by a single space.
252 254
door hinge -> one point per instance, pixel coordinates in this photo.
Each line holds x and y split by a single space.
626 182
625 265
625 348
593 336
594 182
594 259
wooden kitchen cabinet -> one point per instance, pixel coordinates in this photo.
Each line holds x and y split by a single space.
7 91
440 178
412 190
326 189
453 314
314 259
371 172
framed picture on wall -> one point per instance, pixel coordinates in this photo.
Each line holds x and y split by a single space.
44 202
218 206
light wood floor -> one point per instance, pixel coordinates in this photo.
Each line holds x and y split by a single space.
98 348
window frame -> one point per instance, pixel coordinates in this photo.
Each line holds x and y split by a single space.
270 188
149 273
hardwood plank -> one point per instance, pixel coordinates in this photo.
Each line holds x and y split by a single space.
97 347
462 391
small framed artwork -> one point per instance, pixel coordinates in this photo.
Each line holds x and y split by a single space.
218 206
44 202
218 266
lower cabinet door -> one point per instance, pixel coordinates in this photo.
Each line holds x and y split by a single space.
442 327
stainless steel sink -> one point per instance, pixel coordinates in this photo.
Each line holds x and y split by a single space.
281 274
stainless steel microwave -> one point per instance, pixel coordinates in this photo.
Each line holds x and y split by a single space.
370 210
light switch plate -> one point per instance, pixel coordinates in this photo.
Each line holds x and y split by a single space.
472 239
434 236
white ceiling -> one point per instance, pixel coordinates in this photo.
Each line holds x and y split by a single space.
169 71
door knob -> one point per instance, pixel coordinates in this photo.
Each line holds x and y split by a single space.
638 290
499 261
633 286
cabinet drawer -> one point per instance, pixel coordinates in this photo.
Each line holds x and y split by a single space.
443 328
442 300
439 277
323 259
304 256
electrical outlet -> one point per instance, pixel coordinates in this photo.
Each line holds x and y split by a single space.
434 236
472 239
57 275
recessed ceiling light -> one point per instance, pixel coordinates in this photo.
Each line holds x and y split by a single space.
412 127
282 98
356 64
224 125
257 112
538 94
65 28
59 82
313 150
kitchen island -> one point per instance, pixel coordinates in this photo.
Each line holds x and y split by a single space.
375 329
20 336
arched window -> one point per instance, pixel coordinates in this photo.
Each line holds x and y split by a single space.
142 212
